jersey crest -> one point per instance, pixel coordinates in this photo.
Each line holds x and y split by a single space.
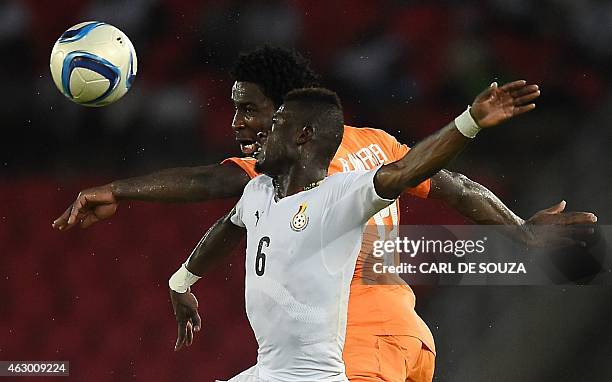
300 219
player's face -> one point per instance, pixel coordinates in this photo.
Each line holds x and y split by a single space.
277 147
253 114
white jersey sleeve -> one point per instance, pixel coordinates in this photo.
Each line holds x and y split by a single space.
354 199
236 214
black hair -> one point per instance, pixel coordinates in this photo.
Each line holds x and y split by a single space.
314 95
275 70
322 109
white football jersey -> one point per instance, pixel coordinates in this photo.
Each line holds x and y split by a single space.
300 258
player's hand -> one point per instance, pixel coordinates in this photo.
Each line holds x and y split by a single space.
498 104
188 320
552 226
91 205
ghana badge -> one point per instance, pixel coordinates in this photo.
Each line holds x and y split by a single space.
299 221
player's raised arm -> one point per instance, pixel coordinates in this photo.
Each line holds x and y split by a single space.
490 108
186 184
477 203
221 238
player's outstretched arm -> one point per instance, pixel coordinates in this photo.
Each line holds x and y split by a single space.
490 108
187 184
477 203
221 239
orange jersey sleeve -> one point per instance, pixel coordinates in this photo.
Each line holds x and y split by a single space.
366 148
247 164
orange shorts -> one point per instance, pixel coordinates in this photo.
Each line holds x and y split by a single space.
398 358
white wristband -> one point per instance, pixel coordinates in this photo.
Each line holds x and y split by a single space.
182 280
466 124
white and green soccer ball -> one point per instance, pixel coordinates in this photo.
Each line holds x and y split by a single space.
93 64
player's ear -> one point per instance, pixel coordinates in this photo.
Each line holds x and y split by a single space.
305 134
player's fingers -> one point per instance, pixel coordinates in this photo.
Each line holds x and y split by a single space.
76 208
73 213
88 220
523 109
197 322
180 338
582 231
79 218
60 222
561 241
559 207
485 94
525 90
189 334
526 98
570 230
577 218
514 85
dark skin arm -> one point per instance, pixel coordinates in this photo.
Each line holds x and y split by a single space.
477 203
221 239
184 184
490 108
176 185
472 200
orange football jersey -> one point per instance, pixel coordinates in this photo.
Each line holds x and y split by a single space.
378 304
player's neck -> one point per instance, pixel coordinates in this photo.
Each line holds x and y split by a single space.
298 179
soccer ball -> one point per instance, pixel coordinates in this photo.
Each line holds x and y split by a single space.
93 64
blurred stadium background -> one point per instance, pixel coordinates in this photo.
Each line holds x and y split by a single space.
98 298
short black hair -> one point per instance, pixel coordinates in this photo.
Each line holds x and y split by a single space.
315 95
276 70
323 110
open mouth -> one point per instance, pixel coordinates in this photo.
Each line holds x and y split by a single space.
247 146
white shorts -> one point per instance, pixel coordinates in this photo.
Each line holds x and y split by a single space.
249 375
253 374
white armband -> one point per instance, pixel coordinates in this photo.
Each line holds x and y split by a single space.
466 125
182 279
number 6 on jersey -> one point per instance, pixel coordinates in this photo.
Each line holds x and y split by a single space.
260 259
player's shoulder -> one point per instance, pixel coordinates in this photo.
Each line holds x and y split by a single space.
247 160
260 183
247 164
368 133
340 178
